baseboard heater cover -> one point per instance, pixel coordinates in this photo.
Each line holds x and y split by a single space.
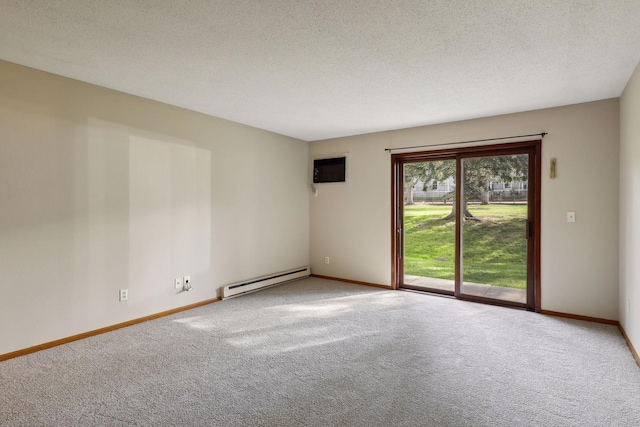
259 283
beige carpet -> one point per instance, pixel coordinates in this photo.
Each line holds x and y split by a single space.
322 353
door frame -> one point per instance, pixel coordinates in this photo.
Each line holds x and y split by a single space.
534 149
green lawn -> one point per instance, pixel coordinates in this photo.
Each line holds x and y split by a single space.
494 248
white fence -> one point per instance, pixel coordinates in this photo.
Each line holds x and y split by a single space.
504 195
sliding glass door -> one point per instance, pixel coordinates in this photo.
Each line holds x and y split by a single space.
429 248
494 220
466 223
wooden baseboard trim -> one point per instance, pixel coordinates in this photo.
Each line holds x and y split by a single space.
579 317
634 353
88 334
355 282
633 350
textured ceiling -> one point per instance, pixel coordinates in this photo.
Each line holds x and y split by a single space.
322 69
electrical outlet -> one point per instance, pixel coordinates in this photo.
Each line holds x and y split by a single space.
178 283
124 294
186 283
326 260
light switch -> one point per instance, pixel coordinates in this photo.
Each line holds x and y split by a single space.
571 217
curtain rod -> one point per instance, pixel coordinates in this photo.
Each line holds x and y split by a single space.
541 134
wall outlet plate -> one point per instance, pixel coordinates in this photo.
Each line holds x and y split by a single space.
124 295
571 217
178 283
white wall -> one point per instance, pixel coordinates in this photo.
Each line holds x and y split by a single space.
351 222
630 209
101 191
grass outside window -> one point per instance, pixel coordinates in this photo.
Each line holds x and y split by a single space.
494 249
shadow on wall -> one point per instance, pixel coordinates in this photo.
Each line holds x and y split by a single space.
147 205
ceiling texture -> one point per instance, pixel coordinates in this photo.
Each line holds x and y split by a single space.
315 69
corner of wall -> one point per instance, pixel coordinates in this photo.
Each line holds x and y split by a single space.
629 231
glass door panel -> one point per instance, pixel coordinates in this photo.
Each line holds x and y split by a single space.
429 229
495 227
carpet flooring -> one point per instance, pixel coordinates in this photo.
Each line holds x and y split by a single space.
321 353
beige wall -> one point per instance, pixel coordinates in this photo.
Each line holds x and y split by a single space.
630 209
350 222
102 191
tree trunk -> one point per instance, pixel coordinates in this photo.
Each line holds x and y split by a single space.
466 214
408 194
485 198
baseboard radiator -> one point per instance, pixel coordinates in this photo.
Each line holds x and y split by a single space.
259 283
